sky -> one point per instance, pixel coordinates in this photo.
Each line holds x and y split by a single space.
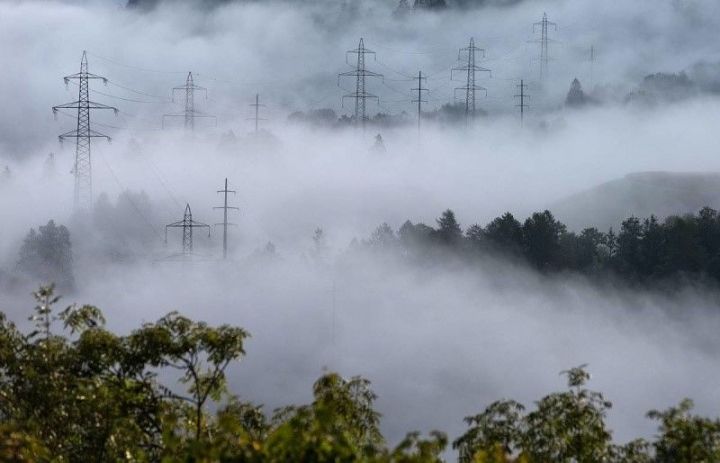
438 344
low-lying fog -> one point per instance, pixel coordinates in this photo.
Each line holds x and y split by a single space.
438 344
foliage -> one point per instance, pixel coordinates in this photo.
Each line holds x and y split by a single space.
71 390
686 437
46 255
642 251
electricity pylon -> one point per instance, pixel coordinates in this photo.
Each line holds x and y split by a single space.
522 95
190 113
544 40
257 117
82 169
187 224
419 99
360 73
470 68
225 222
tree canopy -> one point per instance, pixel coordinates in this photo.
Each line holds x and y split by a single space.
72 390
642 251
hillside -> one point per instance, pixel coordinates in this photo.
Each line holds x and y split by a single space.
639 194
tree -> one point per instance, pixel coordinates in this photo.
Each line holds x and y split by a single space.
320 248
683 251
708 231
449 231
97 396
340 424
179 343
652 247
46 255
383 239
589 245
506 233
627 254
576 97
569 427
415 239
414 449
685 438
541 239
430 4
495 432
121 235
402 9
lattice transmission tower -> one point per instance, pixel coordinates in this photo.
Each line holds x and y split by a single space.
544 39
470 68
187 224
82 169
360 95
190 113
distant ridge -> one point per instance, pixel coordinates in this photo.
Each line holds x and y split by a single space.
640 194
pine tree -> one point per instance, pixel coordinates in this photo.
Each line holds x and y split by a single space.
576 96
449 230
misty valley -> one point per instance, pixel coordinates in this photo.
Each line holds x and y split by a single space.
423 231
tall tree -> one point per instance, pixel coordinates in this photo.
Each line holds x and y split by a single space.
449 230
541 236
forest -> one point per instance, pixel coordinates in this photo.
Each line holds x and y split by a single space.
641 251
73 390
675 251
276 231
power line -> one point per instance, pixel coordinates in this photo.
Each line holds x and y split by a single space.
159 176
117 63
440 49
400 73
139 92
129 198
110 95
62 113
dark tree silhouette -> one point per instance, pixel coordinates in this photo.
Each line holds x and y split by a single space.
449 230
576 96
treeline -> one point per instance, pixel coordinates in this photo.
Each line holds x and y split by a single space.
641 250
71 390
446 114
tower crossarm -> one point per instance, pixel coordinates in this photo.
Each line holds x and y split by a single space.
80 105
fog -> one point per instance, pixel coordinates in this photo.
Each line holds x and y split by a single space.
438 343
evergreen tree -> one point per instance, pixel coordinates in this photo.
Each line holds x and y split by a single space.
576 97
449 230
505 231
430 4
541 239
627 255
383 238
